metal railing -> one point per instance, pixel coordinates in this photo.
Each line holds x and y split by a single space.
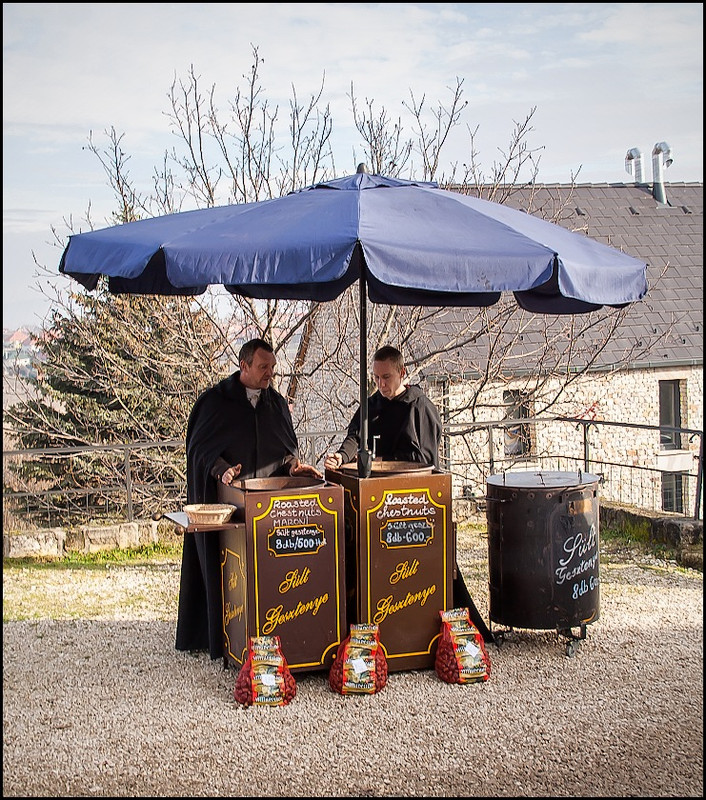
470 452
626 456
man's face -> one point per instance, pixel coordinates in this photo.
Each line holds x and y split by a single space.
259 374
388 378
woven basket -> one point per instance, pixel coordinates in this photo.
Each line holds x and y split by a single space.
209 513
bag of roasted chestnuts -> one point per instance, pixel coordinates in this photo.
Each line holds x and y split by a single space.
360 666
461 655
265 678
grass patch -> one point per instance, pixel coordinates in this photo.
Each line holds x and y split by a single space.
627 534
146 554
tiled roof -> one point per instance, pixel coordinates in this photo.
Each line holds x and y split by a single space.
20 336
628 217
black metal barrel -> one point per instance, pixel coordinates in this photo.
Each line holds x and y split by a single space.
543 555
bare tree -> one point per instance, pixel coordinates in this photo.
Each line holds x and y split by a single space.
431 143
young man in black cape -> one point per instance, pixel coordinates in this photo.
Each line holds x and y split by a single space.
239 428
403 425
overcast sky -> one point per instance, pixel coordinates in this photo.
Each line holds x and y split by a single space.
604 77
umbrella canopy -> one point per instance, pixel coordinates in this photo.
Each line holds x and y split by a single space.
406 242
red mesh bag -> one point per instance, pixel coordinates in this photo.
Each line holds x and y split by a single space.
461 655
360 666
265 678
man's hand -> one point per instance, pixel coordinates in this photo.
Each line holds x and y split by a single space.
231 474
298 468
333 461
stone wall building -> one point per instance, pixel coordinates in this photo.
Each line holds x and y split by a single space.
659 382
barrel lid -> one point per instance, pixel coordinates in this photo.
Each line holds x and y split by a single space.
543 479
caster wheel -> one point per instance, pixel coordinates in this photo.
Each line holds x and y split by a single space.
571 648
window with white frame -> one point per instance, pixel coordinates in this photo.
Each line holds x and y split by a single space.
670 399
670 414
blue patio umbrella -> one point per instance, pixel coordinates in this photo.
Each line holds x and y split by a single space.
405 242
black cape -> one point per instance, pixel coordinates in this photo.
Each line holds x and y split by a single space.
405 428
224 427
408 428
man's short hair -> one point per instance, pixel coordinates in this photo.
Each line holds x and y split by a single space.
389 353
247 351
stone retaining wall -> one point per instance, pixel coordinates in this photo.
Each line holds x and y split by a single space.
57 542
684 536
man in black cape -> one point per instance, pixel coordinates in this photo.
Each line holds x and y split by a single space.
239 428
403 425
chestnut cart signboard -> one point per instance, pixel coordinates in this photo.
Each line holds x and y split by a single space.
283 569
234 588
399 555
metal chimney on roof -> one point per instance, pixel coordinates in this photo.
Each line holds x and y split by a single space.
660 150
633 162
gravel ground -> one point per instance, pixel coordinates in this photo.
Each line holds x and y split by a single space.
97 702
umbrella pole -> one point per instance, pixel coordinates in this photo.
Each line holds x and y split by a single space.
365 465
